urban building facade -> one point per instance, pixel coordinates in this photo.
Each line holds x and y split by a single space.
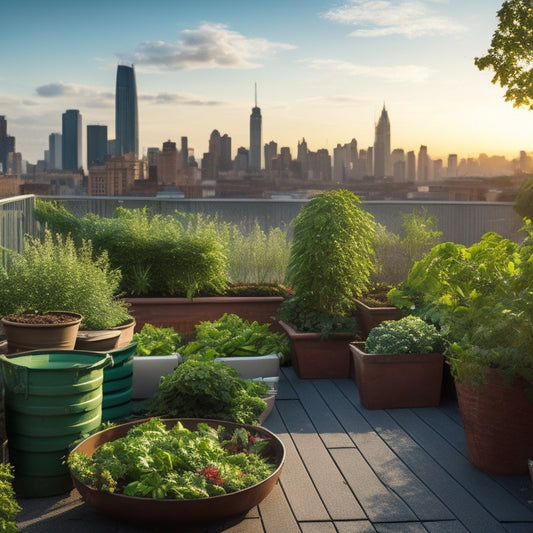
255 137
382 146
96 145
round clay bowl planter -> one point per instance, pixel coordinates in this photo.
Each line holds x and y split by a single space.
148 511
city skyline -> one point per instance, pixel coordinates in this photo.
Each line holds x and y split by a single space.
323 71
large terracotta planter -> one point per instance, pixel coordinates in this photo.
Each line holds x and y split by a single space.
114 338
313 358
370 317
183 314
179 513
498 424
24 336
397 380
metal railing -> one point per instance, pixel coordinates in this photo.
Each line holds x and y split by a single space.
461 222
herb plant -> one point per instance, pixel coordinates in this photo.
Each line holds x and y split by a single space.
9 506
232 336
409 334
152 340
53 274
331 259
153 462
208 389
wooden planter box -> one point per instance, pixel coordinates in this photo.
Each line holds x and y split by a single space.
313 358
370 317
183 314
398 380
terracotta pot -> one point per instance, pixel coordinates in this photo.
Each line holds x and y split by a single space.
370 317
148 511
23 337
183 314
397 380
498 424
126 333
314 358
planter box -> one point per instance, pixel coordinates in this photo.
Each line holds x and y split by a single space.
313 358
259 366
370 317
183 314
498 424
397 380
147 372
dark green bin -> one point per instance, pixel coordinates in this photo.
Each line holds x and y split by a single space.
52 399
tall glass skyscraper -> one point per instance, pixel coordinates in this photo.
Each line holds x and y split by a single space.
96 145
382 152
126 115
71 140
255 136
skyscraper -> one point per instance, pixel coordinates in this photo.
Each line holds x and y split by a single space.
7 145
96 145
382 160
71 140
255 136
126 116
55 151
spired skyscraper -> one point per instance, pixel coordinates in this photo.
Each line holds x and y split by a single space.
255 137
382 152
126 115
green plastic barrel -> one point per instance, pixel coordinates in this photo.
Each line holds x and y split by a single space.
52 399
118 384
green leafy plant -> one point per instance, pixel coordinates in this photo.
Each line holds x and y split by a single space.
208 389
53 274
178 463
9 506
152 340
232 336
410 334
482 298
331 258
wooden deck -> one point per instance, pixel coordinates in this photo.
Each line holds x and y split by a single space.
349 469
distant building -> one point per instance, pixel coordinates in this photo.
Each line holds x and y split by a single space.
422 170
271 153
126 114
96 145
345 161
411 166
382 150
241 160
225 163
55 151
7 145
116 177
255 137
398 165
71 141
213 162
451 171
184 152
167 164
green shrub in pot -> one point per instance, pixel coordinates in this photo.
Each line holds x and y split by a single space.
53 274
409 334
331 260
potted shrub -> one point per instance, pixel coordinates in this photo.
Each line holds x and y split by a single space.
330 263
399 365
253 349
483 298
156 355
53 274
208 389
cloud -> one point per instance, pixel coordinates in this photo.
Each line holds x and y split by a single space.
380 18
52 90
173 98
395 73
208 46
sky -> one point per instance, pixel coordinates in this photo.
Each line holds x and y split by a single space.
323 70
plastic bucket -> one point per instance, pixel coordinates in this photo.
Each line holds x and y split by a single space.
118 384
52 399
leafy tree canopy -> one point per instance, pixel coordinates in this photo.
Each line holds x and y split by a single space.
510 55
